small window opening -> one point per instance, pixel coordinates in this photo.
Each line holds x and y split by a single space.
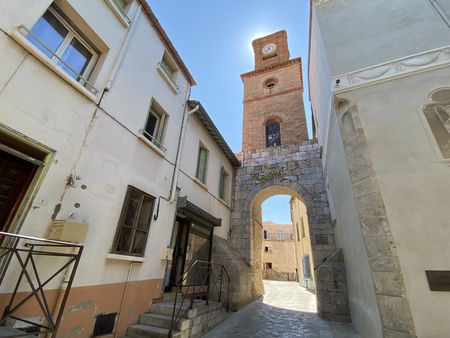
273 137
270 83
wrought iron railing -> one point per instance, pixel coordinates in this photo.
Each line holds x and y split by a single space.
152 139
203 280
18 258
79 77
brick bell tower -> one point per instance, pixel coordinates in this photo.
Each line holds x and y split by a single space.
273 103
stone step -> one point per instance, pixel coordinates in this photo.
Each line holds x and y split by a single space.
166 308
148 331
163 321
170 296
6 331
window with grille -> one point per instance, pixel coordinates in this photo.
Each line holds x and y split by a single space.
134 223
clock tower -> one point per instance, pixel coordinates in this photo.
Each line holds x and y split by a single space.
274 113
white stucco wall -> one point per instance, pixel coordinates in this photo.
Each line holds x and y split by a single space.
414 185
105 151
412 177
348 235
205 196
359 34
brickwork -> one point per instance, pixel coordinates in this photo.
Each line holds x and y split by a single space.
283 102
282 52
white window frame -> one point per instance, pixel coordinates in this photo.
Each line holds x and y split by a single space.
168 69
280 234
72 33
161 118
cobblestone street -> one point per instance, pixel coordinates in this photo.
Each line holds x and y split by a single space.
286 310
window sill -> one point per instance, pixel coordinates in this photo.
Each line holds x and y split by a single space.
225 203
151 145
122 17
200 183
127 258
168 79
29 47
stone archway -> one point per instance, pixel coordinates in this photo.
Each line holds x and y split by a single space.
293 170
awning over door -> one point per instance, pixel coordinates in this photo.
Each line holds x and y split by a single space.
196 214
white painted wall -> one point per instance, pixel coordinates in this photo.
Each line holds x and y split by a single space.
414 185
354 35
102 149
358 34
205 196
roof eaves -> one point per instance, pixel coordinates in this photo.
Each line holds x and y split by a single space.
209 125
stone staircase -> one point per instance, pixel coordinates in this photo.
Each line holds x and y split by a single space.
193 323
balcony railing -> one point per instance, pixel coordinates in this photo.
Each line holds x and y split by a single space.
33 264
83 81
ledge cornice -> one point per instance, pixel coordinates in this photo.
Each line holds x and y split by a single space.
390 70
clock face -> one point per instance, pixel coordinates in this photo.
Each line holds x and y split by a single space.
269 49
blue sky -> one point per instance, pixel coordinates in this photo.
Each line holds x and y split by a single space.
213 37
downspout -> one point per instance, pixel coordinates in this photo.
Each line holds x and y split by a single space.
123 49
179 152
440 11
176 169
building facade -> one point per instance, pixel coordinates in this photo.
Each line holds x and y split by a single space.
302 244
278 257
96 143
378 76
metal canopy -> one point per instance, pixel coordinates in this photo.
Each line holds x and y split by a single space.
197 214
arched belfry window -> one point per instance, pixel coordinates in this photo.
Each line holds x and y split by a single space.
273 135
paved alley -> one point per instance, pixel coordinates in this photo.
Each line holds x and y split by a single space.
286 310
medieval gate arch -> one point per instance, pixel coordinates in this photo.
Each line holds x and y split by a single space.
295 170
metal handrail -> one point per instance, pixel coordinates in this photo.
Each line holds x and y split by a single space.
152 139
208 286
25 250
79 76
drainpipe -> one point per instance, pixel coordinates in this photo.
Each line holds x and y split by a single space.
123 49
178 156
441 12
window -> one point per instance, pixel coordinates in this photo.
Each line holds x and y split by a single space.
168 69
303 227
266 249
273 137
268 266
59 41
298 232
134 224
154 126
270 83
306 267
265 234
202 164
223 188
280 234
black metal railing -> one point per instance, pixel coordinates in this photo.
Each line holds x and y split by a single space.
18 259
205 281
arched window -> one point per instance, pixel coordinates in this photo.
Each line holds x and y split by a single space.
273 135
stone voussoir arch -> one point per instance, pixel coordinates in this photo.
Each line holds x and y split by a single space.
293 170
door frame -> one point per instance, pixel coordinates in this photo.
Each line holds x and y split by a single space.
47 155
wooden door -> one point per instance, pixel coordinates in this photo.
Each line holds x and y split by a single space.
16 175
